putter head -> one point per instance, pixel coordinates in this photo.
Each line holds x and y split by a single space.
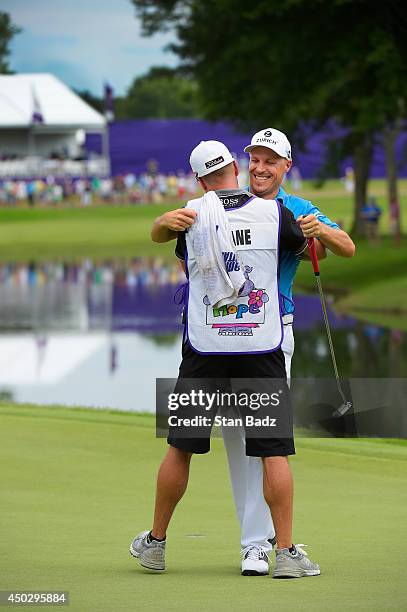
342 410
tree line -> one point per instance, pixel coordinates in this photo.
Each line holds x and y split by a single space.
161 93
297 64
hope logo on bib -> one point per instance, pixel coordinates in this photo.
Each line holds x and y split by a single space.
242 315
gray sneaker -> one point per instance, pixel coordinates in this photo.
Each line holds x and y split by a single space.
150 554
294 564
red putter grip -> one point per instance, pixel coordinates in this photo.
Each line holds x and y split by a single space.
313 255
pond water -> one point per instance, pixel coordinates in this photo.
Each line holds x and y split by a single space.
99 334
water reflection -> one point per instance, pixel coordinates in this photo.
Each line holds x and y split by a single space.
99 333
362 350
91 296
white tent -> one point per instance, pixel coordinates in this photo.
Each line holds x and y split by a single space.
21 95
41 118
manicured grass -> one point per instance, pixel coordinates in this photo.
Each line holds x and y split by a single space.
372 303
68 233
337 205
77 485
370 265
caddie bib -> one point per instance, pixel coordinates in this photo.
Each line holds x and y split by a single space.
252 322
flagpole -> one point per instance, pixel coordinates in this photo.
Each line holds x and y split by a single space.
109 116
32 169
106 147
36 118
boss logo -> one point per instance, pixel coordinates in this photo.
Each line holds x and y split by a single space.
229 202
268 133
214 162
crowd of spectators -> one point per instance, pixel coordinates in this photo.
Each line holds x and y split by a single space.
128 188
151 186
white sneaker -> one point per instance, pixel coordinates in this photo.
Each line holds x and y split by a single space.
151 554
255 561
295 564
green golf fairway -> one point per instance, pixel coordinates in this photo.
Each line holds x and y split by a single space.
102 231
77 485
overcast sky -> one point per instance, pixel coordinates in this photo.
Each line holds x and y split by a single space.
83 42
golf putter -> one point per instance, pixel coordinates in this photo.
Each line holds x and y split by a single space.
346 404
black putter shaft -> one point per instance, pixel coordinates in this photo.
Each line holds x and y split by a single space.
315 264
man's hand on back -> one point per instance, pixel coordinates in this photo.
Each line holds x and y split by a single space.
178 220
167 226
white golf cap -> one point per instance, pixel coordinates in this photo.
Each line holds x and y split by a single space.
272 139
208 156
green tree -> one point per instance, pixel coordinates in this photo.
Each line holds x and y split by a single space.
292 63
7 31
162 93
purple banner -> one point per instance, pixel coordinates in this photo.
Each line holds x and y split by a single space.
169 142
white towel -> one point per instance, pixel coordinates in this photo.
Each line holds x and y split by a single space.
211 237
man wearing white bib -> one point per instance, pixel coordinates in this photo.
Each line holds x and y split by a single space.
233 330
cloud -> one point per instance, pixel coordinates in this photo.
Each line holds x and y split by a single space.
86 42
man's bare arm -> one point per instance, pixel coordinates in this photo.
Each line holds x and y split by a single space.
336 240
321 251
166 227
